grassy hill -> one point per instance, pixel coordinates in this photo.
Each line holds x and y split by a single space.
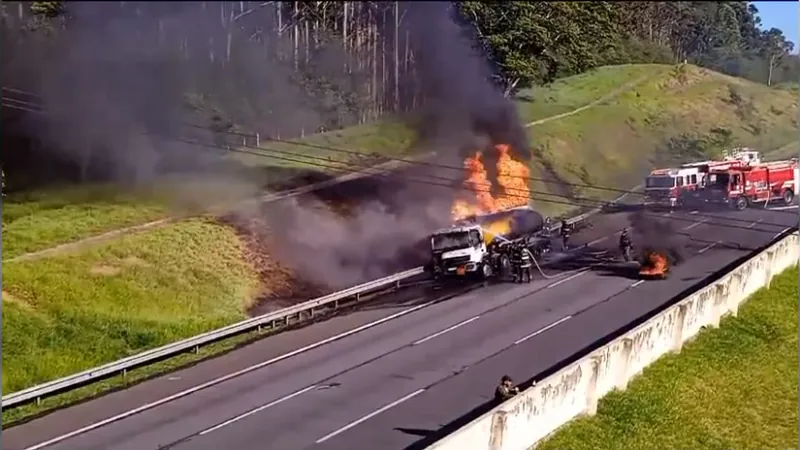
82 306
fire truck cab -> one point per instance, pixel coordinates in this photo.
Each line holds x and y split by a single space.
667 187
759 183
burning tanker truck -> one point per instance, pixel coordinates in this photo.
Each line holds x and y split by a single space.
478 245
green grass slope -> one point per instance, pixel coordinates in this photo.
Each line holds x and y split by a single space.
71 311
732 387
682 113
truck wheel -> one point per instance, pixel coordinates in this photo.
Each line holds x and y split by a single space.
486 271
788 196
505 266
740 203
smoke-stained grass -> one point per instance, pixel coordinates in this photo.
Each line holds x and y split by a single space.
71 312
732 387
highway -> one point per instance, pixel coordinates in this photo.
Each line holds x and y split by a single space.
416 365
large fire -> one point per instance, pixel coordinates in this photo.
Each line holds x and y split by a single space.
656 265
512 177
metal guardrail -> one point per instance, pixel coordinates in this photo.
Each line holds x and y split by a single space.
36 393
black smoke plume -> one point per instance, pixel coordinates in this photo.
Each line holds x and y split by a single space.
119 80
650 234
463 108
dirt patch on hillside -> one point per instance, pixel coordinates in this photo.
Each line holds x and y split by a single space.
11 299
104 270
280 288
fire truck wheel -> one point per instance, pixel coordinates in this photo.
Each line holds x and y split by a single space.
740 203
788 196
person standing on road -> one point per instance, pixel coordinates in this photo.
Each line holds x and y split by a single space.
565 233
625 245
526 264
505 390
516 262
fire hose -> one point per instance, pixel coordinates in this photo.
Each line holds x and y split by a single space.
535 262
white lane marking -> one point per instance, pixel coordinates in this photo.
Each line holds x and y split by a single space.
694 212
254 411
369 416
706 248
782 208
446 330
637 283
542 330
784 231
597 240
755 223
695 224
222 379
571 277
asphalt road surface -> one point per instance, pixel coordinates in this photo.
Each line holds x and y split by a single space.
415 374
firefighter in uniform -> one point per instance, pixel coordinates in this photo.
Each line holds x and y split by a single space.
505 390
516 262
625 245
526 264
565 232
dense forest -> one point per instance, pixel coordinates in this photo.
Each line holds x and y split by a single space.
294 68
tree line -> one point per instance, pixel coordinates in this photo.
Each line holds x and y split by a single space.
343 63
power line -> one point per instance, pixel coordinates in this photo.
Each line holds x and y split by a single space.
458 185
408 161
353 152
596 202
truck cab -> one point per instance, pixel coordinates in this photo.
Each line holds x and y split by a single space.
460 250
668 187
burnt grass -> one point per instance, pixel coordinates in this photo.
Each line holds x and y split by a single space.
282 287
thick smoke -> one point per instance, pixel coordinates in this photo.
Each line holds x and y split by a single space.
464 112
120 82
126 84
462 104
649 234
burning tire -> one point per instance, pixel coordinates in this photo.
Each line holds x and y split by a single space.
654 266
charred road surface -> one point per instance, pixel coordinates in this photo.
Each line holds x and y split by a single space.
421 364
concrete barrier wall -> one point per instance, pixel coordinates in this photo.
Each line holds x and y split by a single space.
521 422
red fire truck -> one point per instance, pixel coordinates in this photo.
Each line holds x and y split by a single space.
741 186
676 186
667 187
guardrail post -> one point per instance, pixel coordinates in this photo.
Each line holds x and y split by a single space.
38 401
196 349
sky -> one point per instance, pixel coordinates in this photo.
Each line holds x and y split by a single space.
783 15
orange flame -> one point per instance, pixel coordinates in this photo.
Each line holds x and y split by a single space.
656 265
512 177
